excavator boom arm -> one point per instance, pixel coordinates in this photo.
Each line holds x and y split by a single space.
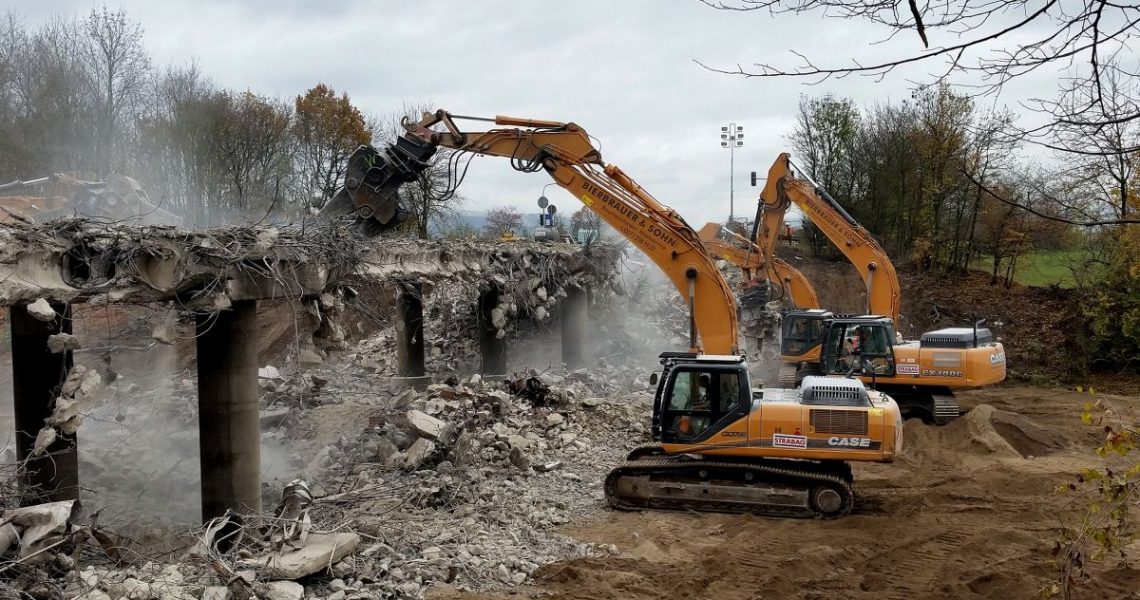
784 187
737 250
565 152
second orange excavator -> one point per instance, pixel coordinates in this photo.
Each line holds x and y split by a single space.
921 374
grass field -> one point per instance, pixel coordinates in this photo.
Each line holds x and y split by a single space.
1042 268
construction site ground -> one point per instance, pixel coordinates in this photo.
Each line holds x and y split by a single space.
970 511
478 489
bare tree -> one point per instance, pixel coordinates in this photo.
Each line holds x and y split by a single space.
1103 145
503 220
996 40
117 67
432 199
252 139
585 220
327 129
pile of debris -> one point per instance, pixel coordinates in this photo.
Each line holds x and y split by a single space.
466 483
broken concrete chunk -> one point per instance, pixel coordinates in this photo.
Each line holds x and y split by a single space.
215 592
81 383
42 524
547 467
320 551
268 372
65 417
310 358
273 417
284 590
434 406
62 342
519 459
554 420
163 334
424 424
518 441
46 437
41 310
498 317
382 451
418 453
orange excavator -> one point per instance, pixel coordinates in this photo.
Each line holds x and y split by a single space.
719 444
922 374
738 250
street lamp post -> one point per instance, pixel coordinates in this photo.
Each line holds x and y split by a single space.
731 137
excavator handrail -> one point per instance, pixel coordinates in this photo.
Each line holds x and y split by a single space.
565 152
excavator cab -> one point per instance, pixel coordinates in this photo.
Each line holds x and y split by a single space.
862 345
697 396
802 331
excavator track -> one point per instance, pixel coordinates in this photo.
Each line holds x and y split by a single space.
652 480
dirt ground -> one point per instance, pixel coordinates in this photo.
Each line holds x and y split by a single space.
968 512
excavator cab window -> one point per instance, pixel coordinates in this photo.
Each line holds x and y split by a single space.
860 347
700 401
800 333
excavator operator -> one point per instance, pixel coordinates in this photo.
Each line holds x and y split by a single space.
686 397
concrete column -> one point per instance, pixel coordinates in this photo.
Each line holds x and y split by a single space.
37 376
410 329
229 437
574 328
491 348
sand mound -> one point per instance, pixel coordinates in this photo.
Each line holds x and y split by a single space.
984 431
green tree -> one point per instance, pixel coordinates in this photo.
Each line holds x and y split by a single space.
1114 301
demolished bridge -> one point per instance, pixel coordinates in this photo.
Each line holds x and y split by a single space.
216 278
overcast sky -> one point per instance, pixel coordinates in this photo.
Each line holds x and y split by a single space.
623 70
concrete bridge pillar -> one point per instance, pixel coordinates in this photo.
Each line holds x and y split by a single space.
229 442
37 376
410 329
492 348
574 312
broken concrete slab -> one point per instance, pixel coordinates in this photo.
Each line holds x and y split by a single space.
320 551
283 590
424 424
272 418
418 453
62 342
42 311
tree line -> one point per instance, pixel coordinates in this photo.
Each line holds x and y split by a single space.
83 97
937 180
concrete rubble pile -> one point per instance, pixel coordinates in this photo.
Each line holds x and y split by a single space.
467 483
464 483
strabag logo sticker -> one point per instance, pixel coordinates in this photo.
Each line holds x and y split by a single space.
906 369
997 358
849 442
789 441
